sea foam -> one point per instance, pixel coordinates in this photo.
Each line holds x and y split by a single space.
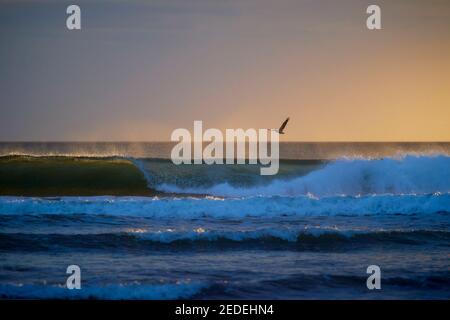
405 175
188 207
109 292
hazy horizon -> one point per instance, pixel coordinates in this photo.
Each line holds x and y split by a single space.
207 142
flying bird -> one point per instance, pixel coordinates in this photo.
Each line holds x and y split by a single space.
283 125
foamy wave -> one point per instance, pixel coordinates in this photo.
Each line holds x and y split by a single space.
110 292
289 235
187 208
302 238
200 234
406 175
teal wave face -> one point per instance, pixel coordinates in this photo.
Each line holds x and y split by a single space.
164 172
56 176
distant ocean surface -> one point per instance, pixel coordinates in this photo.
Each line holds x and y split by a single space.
141 227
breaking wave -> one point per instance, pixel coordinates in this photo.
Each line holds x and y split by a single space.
109 292
307 238
93 176
188 207
351 177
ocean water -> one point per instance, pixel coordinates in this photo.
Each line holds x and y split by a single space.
140 227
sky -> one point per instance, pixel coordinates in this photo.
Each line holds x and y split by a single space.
137 70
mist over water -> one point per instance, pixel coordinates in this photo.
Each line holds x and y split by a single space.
288 150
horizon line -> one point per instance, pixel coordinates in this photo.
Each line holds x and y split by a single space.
168 141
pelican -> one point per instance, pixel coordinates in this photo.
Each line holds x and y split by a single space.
283 125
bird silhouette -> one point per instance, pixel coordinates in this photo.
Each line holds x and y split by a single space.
283 125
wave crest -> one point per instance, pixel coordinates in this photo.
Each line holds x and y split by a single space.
407 175
110 292
189 208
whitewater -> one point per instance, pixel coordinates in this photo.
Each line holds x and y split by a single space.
349 177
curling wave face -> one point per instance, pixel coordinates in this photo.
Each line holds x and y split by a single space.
56 175
83 176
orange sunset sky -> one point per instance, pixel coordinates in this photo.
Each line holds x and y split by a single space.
139 69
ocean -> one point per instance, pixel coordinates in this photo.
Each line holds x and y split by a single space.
140 227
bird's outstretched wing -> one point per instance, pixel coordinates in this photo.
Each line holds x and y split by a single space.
283 125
